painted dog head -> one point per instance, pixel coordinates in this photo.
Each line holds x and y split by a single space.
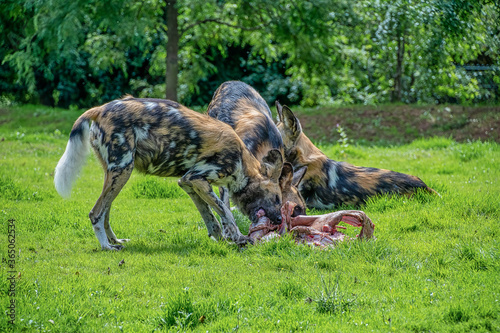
263 192
289 183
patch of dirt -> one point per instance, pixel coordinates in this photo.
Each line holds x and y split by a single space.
400 124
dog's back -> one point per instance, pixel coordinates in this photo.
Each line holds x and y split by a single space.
225 104
241 107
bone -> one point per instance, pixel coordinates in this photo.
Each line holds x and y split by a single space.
318 230
261 228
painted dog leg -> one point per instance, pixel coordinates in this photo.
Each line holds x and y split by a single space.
224 196
109 232
213 226
99 215
204 190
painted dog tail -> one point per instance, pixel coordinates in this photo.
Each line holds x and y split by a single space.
75 155
432 191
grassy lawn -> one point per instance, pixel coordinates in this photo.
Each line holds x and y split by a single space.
434 265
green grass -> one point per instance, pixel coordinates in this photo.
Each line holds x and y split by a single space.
433 267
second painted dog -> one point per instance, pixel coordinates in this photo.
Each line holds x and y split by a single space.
243 108
327 183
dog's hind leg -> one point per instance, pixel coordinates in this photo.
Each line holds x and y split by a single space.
99 215
109 232
203 196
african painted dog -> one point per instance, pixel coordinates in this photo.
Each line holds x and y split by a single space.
243 108
163 138
328 183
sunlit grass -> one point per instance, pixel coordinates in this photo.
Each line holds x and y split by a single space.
433 266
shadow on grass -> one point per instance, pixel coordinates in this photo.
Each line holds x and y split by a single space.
185 247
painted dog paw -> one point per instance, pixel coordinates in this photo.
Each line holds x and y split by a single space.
119 241
244 240
111 247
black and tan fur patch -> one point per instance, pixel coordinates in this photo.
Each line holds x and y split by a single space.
328 183
243 108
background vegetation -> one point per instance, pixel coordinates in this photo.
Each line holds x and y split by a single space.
319 52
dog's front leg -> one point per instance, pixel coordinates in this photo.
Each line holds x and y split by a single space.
224 196
204 197
210 220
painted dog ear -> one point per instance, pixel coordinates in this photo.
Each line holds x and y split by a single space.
279 110
292 124
286 176
272 164
298 175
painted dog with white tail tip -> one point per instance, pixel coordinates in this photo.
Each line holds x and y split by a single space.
166 139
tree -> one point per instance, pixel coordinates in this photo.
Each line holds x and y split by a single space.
172 57
325 51
88 37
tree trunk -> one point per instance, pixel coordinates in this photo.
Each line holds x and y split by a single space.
172 61
398 78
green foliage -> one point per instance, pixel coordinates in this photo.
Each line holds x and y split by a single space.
180 312
303 52
432 143
330 298
156 188
291 290
11 190
343 141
